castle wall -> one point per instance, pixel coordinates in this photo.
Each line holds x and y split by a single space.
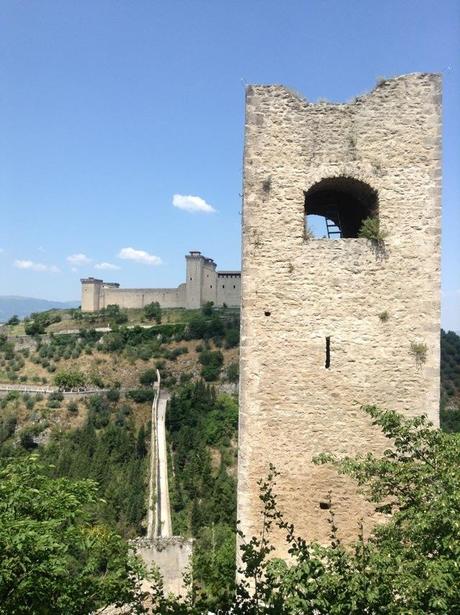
228 289
297 292
139 297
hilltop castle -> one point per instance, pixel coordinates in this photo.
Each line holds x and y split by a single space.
203 284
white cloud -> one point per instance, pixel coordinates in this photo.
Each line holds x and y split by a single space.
106 266
33 266
192 204
77 260
139 256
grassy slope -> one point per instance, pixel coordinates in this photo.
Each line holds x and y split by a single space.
63 429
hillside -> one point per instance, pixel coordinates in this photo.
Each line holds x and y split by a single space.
450 381
104 435
11 305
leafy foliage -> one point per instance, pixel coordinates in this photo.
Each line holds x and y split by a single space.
212 362
370 229
108 450
141 395
148 377
408 566
39 321
152 311
53 557
202 431
233 372
450 381
69 379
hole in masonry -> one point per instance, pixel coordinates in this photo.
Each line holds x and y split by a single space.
325 505
267 313
327 363
336 207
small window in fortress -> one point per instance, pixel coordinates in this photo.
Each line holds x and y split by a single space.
234 286
336 207
223 285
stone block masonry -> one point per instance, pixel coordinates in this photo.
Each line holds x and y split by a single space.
314 346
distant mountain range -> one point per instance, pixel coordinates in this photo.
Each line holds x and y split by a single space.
23 306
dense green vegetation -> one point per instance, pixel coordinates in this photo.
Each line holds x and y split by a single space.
54 556
39 321
111 451
450 381
152 311
202 432
409 566
110 447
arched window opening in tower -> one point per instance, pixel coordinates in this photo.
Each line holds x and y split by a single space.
336 208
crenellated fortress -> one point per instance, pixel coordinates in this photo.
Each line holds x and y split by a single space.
203 283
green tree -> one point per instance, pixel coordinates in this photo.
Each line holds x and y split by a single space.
233 372
152 311
212 361
409 566
53 557
207 308
69 379
148 377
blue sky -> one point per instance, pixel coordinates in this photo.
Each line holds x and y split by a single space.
109 108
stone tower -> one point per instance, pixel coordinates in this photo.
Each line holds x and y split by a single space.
90 294
330 324
201 280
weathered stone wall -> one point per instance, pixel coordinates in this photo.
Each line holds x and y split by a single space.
296 292
139 297
193 280
172 556
208 281
90 295
228 289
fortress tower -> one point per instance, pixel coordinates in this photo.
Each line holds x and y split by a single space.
330 324
201 280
